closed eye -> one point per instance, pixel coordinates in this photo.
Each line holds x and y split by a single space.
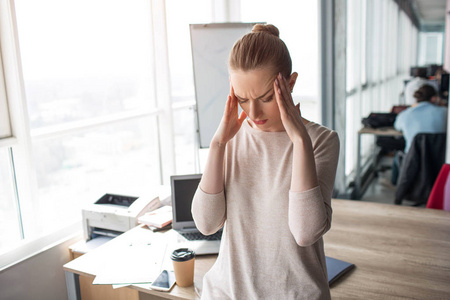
242 101
268 99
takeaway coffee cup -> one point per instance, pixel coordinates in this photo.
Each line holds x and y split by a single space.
183 265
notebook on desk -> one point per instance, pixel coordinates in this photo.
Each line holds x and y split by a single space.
187 235
336 268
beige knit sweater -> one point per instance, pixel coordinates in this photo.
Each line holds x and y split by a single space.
272 245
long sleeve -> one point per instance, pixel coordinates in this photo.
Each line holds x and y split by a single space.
209 211
310 211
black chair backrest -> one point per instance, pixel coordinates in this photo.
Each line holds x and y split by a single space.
420 167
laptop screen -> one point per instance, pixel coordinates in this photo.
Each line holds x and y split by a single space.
183 190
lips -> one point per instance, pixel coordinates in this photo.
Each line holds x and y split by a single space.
260 122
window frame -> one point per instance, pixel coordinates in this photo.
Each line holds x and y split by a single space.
5 123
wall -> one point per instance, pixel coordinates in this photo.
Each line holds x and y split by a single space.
40 277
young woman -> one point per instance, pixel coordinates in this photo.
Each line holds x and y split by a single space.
268 181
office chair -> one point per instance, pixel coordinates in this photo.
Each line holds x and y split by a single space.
420 168
440 194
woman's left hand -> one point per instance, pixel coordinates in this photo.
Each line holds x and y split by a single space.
290 114
304 174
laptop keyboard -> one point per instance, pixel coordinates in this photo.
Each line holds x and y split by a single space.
195 236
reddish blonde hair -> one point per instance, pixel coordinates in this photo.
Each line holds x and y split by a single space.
261 48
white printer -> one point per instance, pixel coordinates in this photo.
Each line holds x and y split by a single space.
114 214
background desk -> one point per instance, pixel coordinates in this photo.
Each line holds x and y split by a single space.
384 131
399 252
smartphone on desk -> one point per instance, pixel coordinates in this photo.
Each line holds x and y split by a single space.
164 282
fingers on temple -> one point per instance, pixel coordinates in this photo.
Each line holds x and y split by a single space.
276 89
284 86
279 97
279 88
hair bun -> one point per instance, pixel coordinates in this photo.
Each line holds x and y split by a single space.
268 28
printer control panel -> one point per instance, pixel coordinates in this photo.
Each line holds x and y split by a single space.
116 200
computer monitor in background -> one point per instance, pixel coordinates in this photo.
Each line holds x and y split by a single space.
418 72
431 70
412 71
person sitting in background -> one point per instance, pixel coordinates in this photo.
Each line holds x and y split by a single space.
421 117
420 79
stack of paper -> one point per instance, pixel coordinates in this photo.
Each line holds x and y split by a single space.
158 218
133 263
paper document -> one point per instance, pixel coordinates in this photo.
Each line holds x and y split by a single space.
133 263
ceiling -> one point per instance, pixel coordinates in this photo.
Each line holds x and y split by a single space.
431 13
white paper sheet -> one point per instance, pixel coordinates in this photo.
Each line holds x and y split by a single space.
132 263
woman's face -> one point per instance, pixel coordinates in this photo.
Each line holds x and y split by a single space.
256 95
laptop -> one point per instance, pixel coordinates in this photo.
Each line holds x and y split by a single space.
187 235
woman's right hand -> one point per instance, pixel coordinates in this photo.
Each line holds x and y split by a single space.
231 122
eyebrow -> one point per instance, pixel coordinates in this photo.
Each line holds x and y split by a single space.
257 98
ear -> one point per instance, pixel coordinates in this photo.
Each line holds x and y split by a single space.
292 80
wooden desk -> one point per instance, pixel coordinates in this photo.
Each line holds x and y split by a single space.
383 131
90 264
399 252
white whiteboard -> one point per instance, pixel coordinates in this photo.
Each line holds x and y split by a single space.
211 44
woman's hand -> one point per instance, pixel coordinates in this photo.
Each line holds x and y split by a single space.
231 121
304 175
290 114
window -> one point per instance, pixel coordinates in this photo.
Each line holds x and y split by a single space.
180 14
9 213
81 70
431 48
78 168
90 121
381 43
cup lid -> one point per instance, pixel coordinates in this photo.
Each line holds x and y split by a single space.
182 254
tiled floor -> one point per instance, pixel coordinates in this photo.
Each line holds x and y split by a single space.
380 189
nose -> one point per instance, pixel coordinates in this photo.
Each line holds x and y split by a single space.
254 110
